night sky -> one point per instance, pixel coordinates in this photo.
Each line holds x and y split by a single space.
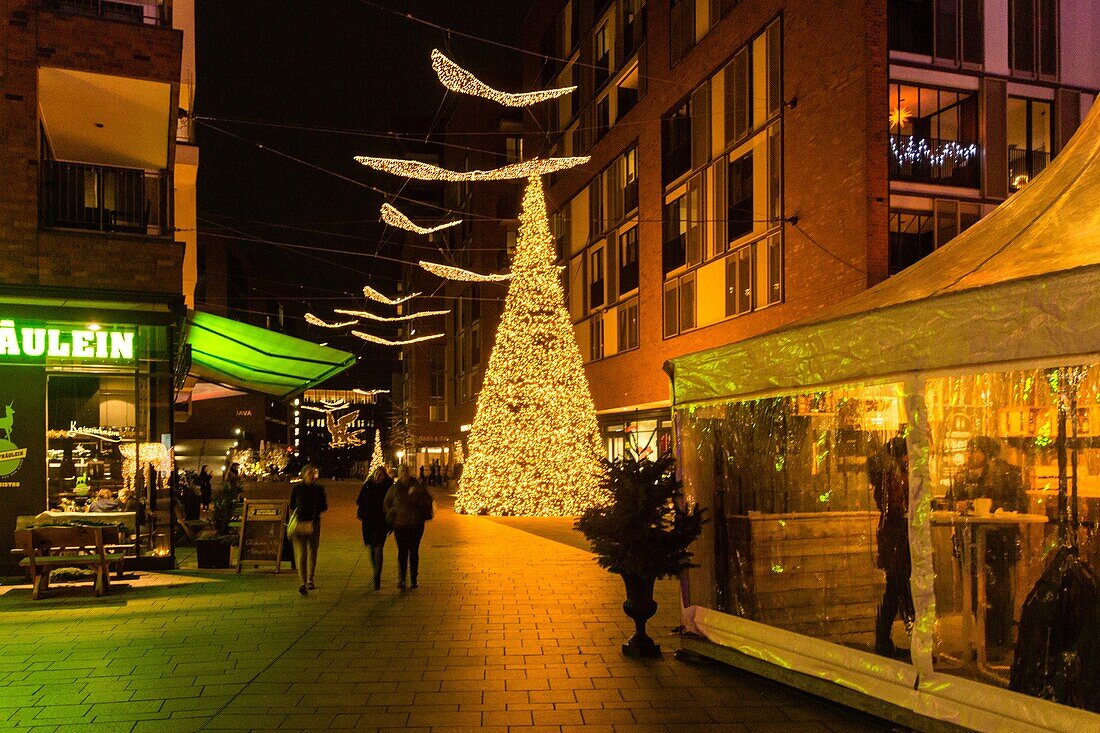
342 68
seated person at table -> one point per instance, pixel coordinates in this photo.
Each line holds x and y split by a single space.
986 476
103 502
129 503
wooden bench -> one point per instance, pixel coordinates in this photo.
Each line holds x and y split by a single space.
124 542
49 548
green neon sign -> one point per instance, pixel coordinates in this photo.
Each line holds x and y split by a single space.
62 343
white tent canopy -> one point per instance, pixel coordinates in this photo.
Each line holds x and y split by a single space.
1022 284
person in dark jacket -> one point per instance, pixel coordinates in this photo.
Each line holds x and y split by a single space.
205 488
408 505
309 501
890 480
987 476
371 513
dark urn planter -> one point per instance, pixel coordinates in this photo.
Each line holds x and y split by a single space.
212 553
640 606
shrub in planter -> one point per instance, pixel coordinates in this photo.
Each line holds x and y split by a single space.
214 541
642 533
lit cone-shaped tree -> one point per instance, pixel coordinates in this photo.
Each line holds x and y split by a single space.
534 445
376 459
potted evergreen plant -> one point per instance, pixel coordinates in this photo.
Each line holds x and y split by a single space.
214 542
642 533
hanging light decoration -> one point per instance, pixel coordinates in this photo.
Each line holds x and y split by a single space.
370 392
457 273
395 218
310 318
386 342
457 79
372 294
428 172
315 409
938 153
373 317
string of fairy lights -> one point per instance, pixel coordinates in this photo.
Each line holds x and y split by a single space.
457 273
395 218
387 319
427 172
400 342
457 79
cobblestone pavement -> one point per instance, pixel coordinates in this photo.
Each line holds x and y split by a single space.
509 631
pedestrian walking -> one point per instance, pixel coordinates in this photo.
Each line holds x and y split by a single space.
205 488
408 505
307 503
372 515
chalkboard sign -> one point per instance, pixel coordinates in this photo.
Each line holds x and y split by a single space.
263 525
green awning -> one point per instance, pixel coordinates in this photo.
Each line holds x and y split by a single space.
249 357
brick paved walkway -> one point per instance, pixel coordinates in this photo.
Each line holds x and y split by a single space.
509 631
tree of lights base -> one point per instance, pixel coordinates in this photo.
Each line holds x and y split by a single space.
534 446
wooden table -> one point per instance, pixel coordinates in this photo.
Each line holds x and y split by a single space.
974 529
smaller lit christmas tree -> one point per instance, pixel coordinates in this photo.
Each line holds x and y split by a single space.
376 459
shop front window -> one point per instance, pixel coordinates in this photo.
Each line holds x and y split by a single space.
808 496
107 441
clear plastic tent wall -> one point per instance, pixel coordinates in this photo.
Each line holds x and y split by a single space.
905 525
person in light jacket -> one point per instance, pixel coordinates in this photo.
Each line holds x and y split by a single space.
408 505
371 513
309 501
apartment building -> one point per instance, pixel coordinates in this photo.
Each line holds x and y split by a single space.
440 380
756 161
91 272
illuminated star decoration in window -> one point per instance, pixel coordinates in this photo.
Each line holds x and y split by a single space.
457 79
310 318
386 342
372 294
428 172
899 117
395 218
373 317
457 273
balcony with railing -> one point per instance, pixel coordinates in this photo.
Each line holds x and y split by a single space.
1024 165
102 198
939 162
149 12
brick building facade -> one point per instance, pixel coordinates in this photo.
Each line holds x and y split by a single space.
88 251
755 162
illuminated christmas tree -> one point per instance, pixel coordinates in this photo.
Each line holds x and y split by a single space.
534 445
376 459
